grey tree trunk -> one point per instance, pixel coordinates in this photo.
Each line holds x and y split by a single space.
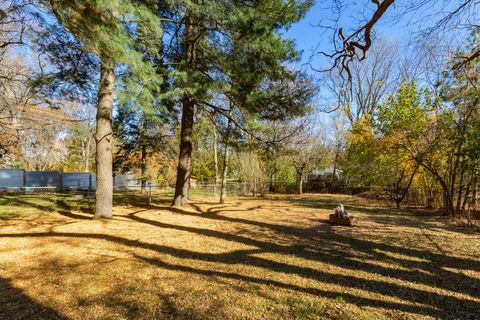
252 167
335 162
225 158
300 183
86 157
403 193
185 157
143 169
215 159
103 138
475 189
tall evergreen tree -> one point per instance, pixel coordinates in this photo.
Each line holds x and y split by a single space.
138 136
108 30
233 49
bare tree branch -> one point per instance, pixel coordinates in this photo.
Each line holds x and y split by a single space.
360 40
466 60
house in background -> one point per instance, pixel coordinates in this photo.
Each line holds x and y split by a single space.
32 136
192 181
328 179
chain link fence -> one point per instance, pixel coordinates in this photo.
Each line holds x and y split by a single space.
79 194
36 200
232 190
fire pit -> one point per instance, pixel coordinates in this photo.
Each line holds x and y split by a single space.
341 217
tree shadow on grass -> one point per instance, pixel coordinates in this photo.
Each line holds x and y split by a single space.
65 210
431 266
339 249
413 300
125 296
406 216
131 199
14 304
413 266
56 204
431 262
20 202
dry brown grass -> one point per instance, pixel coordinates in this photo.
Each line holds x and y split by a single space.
248 259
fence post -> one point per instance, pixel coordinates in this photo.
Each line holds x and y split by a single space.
150 193
60 181
24 181
89 183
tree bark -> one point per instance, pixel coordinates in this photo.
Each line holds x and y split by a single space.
475 189
143 169
300 183
399 198
447 196
185 158
103 138
215 159
466 197
252 167
86 157
225 158
460 191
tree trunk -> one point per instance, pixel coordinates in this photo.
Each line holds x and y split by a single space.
271 186
225 158
454 173
397 202
467 196
143 169
103 138
300 183
215 158
399 198
185 158
460 192
86 157
223 186
448 203
447 196
252 167
475 189
334 175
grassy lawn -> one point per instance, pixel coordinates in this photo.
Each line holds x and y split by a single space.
24 205
271 258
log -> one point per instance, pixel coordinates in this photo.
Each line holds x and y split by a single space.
348 221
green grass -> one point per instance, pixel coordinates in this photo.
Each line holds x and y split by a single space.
9 208
24 205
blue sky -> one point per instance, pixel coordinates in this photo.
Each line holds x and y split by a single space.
310 38
308 35
399 24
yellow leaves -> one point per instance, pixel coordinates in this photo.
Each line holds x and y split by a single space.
362 131
346 108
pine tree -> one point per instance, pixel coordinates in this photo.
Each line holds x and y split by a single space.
138 136
230 48
108 30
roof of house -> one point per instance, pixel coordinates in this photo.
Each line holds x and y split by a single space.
31 116
29 111
326 171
